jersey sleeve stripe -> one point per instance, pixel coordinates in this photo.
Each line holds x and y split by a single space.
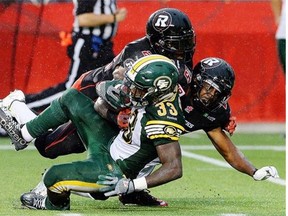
174 138
165 123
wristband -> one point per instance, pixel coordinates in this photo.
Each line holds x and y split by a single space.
114 18
140 184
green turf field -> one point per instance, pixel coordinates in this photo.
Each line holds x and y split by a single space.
208 186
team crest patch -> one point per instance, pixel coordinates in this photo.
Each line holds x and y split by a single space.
170 130
163 83
162 21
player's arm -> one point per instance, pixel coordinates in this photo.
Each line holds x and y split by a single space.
91 19
236 158
171 168
229 151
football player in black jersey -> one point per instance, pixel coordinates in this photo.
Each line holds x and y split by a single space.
206 107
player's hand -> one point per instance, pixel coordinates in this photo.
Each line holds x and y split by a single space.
123 186
231 126
265 172
123 118
118 73
107 180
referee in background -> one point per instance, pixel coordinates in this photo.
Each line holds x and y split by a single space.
90 45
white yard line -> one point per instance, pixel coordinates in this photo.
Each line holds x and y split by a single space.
248 147
231 214
69 214
223 164
11 147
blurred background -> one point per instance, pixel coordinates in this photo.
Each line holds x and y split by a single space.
241 32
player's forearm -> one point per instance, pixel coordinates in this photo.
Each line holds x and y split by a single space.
164 174
93 20
238 161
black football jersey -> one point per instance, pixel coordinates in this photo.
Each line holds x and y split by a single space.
131 53
197 119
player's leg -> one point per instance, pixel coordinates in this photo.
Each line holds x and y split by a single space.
60 180
96 133
64 140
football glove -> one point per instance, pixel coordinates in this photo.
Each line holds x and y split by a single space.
109 182
115 187
122 118
231 125
265 172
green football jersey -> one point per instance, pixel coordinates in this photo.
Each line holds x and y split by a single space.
150 126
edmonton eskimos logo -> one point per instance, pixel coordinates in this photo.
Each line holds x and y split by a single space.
163 83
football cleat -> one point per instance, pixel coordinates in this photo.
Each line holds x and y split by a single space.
40 189
3 132
33 201
142 198
16 95
13 130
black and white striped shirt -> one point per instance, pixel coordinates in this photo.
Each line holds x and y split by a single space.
107 31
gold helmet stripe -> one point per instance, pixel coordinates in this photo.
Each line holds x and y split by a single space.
149 59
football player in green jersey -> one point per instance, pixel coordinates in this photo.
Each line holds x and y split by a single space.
155 125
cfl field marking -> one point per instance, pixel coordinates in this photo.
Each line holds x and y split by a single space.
223 164
233 215
258 147
11 147
70 214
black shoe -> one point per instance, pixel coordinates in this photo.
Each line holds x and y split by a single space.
142 198
13 130
33 200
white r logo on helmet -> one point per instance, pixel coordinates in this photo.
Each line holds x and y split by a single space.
162 21
211 62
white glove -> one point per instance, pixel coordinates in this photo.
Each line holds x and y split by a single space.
123 186
265 172
115 186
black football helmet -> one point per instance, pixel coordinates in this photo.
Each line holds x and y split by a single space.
216 73
171 34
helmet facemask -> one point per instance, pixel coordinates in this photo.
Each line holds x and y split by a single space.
176 47
213 75
212 93
136 96
149 80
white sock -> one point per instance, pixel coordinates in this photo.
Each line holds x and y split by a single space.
21 112
25 134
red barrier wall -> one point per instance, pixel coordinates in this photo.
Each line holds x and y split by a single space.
240 32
